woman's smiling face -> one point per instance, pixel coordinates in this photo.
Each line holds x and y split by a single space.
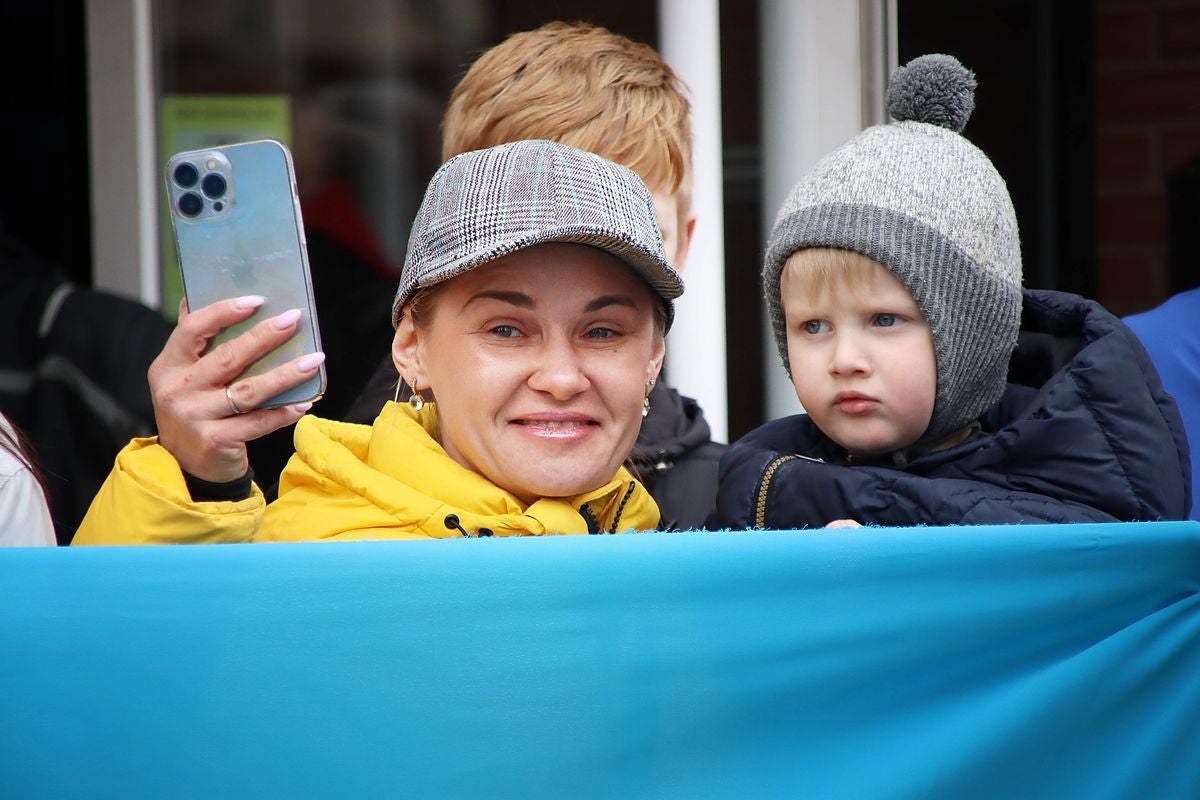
539 363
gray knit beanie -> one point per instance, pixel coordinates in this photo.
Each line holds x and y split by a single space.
917 197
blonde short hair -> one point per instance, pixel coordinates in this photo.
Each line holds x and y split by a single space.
580 85
818 270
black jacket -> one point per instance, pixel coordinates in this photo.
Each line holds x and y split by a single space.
73 367
673 455
1084 433
676 459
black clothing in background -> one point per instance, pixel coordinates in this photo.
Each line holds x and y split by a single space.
677 460
73 367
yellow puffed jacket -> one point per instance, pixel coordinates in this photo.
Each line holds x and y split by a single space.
391 480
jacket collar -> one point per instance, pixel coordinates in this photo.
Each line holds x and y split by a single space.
399 465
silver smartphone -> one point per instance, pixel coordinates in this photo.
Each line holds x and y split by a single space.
238 231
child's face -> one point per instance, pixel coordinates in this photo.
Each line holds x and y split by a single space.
862 358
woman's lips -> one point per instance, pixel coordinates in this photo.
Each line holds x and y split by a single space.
556 428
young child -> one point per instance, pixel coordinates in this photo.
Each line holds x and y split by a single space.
893 281
585 86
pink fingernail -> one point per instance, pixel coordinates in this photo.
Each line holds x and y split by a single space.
310 362
249 301
286 320
302 407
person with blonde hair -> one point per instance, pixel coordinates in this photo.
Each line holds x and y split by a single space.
587 87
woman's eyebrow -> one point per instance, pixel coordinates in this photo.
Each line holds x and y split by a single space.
512 298
525 301
610 300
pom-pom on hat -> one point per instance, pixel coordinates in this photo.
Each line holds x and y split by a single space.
917 197
485 204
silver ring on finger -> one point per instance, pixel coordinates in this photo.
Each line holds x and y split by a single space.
233 406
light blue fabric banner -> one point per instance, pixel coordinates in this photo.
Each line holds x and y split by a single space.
1006 662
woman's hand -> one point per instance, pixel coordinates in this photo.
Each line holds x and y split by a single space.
205 414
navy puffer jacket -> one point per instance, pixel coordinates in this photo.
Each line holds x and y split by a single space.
1084 433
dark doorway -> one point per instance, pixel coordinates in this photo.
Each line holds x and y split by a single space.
1033 117
45 193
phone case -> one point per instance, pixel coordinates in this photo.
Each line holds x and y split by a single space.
238 231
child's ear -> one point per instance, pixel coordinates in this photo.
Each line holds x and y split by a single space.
407 353
685 240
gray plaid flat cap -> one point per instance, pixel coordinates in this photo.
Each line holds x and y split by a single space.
485 204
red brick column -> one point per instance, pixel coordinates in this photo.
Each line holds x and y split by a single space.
1147 126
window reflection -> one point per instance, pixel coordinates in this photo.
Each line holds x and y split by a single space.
356 89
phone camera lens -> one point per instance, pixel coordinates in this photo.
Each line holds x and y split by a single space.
213 185
186 175
190 204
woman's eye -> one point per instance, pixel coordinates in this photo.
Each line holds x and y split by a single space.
886 320
815 326
601 333
504 331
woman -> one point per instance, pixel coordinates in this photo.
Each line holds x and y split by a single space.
532 309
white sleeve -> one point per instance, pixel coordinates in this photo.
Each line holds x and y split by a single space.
24 516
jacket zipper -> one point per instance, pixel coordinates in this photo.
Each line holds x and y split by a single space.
764 486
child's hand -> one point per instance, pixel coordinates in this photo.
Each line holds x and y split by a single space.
843 523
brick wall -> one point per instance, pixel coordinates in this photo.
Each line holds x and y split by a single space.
1147 127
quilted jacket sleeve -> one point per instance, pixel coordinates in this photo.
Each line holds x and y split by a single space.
144 500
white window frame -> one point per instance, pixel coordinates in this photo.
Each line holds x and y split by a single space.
824 66
123 129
